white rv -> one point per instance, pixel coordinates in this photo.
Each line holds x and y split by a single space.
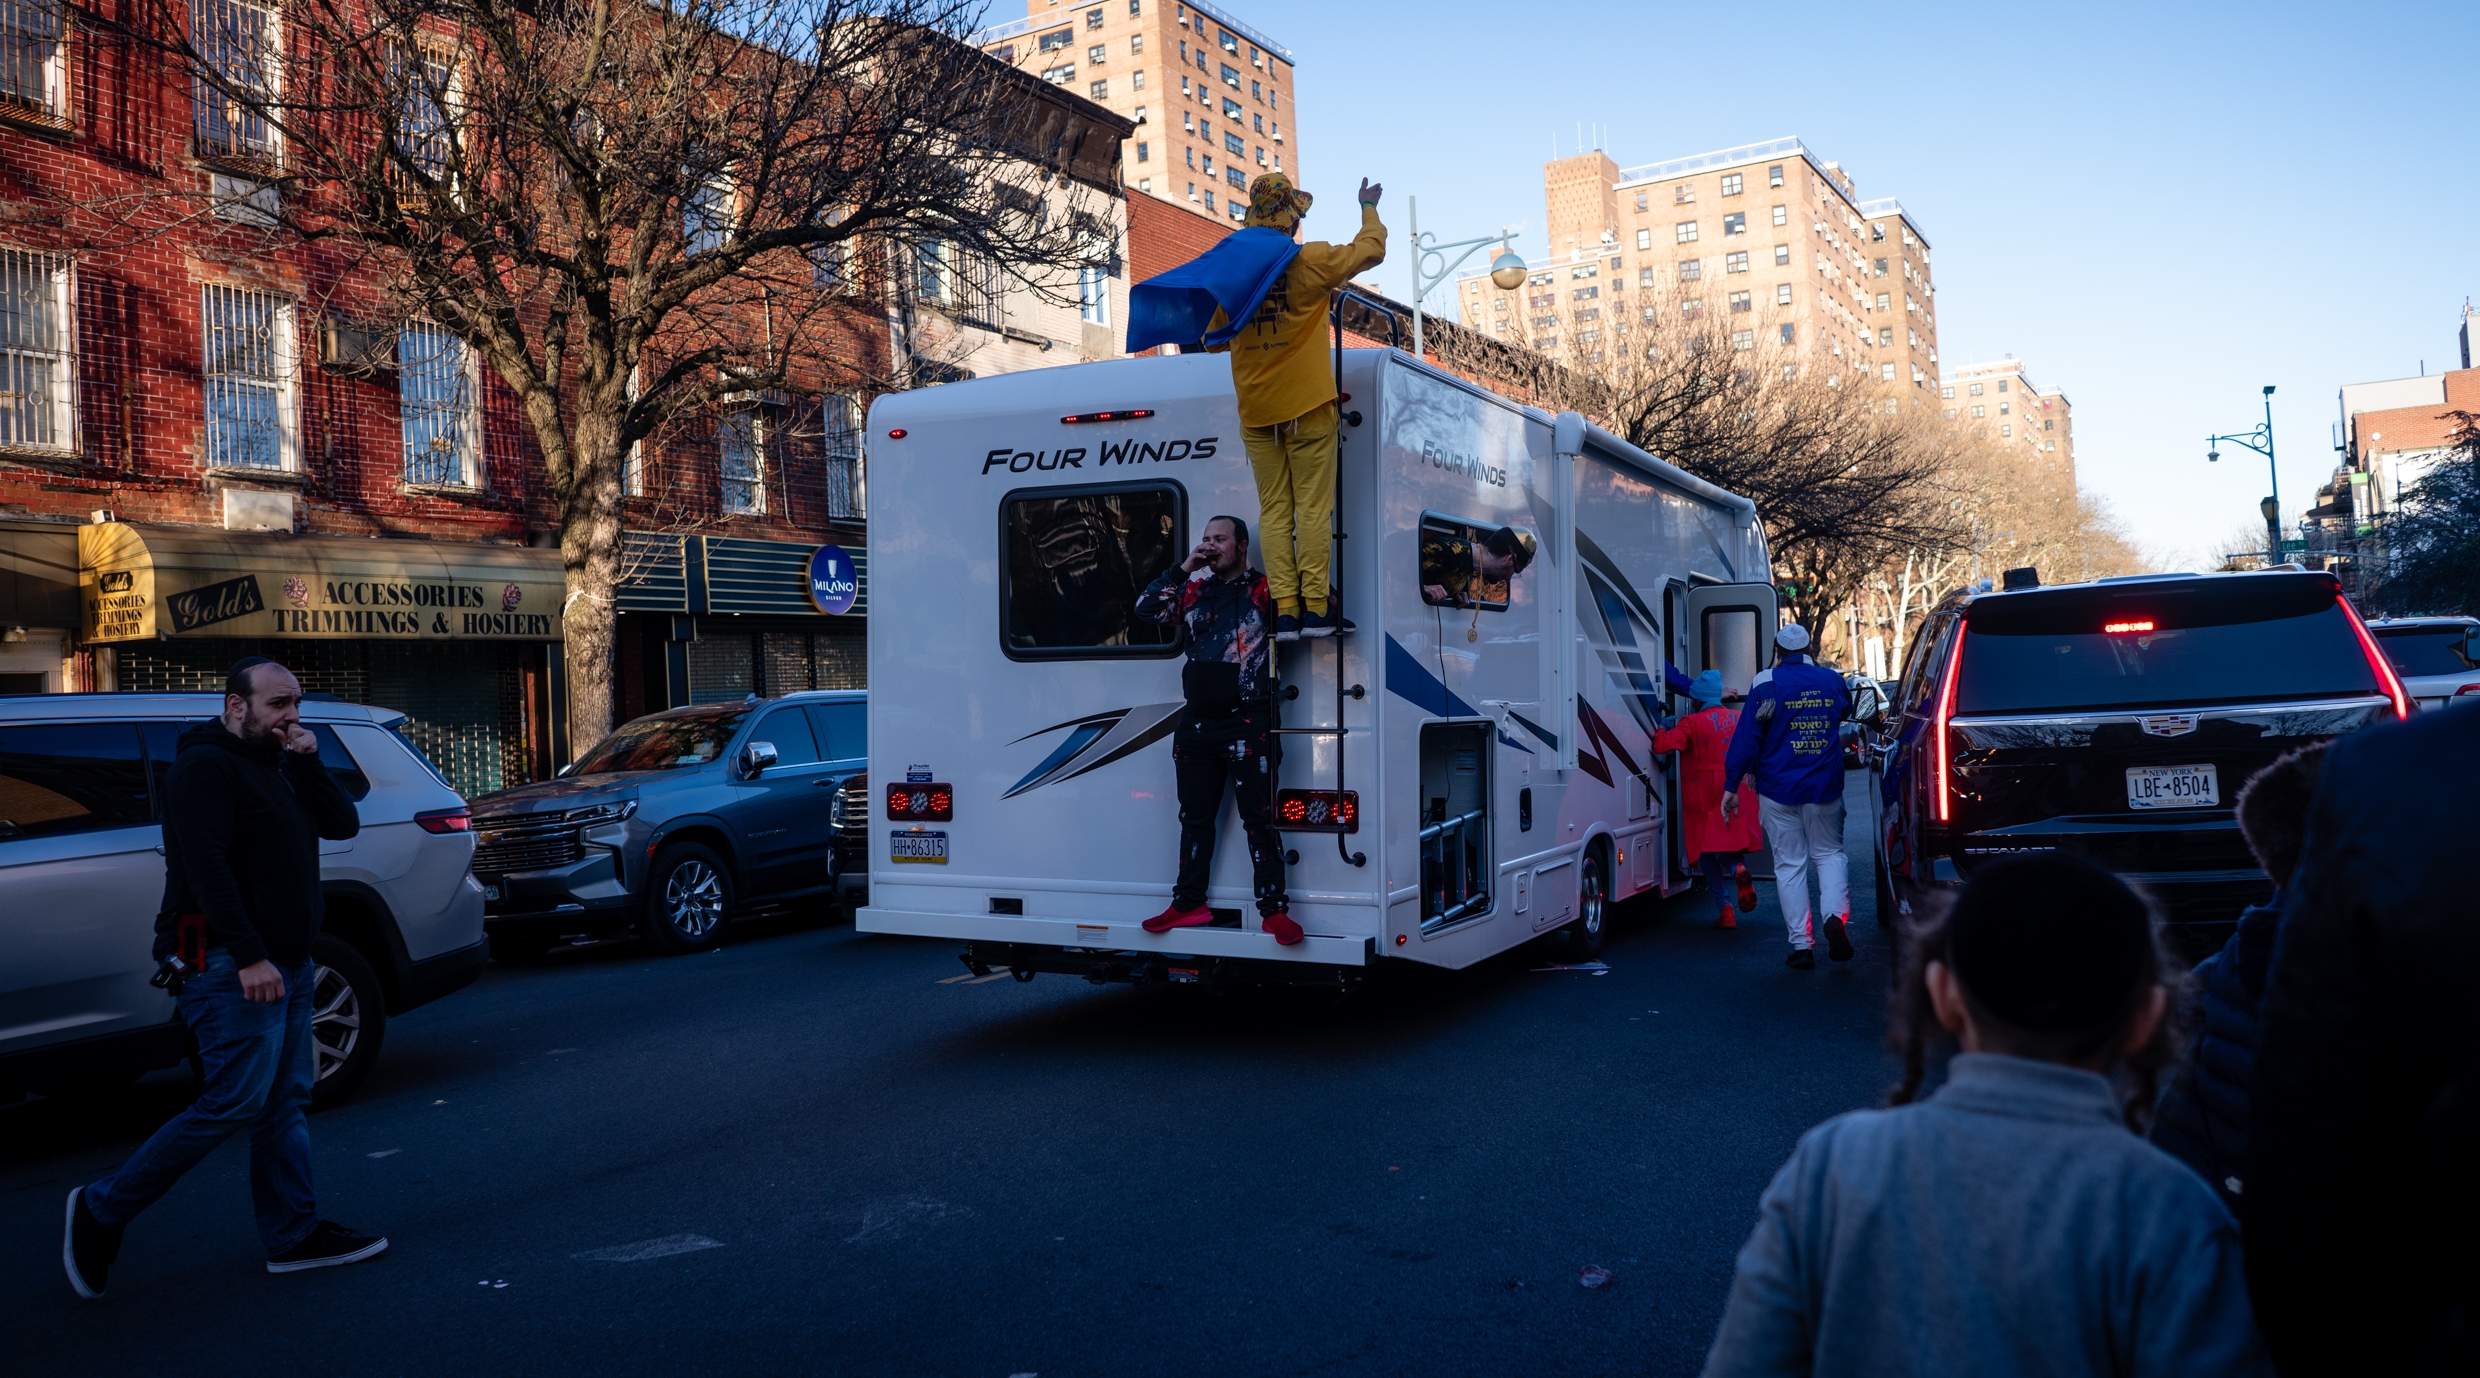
1454 782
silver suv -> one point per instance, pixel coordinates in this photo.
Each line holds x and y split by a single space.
82 874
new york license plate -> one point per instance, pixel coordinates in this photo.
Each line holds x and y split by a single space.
917 847
2172 787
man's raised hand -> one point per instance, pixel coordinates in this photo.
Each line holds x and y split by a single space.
1370 192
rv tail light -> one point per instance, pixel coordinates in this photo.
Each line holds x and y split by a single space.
896 434
1125 414
1946 710
2386 678
920 803
1317 811
445 821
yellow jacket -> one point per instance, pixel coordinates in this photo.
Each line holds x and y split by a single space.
1281 366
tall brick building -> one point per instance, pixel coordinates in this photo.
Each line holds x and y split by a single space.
208 449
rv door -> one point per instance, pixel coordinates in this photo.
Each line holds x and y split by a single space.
1731 629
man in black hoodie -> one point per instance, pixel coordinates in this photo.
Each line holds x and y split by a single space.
244 808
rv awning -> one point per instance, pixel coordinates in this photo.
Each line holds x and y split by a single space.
137 583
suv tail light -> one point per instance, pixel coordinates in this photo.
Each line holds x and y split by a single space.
445 821
1317 811
2387 680
1945 710
2467 689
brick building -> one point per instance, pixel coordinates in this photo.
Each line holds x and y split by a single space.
1209 96
208 450
2000 400
2387 434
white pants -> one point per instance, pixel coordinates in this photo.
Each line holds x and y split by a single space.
1803 835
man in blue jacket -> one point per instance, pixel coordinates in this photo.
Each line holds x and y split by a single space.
1790 744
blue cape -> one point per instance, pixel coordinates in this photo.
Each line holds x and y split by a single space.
1176 307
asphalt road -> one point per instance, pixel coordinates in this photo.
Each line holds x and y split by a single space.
815 1152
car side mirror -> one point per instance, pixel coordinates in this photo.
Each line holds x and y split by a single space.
756 757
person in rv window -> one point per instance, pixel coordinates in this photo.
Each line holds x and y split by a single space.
1225 737
1451 564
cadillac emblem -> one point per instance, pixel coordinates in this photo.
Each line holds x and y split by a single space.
2168 724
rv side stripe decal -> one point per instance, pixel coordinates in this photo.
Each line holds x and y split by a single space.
1408 679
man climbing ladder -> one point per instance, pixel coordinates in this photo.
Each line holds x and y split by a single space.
1282 371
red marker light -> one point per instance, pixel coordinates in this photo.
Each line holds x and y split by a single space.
1125 414
445 821
1945 710
2122 628
896 434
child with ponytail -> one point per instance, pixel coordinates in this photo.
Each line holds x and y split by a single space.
2011 1221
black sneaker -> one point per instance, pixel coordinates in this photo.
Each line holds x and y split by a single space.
1286 627
1801 959
1328 623
1838 939
327 1246
87 1247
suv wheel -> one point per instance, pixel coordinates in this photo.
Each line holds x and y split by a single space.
688 899
348 1019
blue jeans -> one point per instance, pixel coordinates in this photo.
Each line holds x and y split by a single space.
260 1066
1720 869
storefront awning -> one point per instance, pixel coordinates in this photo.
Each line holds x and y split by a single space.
137 583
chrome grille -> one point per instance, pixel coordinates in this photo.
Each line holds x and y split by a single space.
525 842
852 808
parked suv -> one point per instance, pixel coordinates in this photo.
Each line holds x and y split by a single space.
2118 719
674 822
2437 657
81 865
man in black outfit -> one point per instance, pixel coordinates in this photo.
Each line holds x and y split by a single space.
1225 736
2364 1122
245 805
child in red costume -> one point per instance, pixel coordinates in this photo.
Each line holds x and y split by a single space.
1718 843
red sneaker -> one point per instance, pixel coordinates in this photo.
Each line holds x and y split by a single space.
1729 919
1176 917
1747 890
1280 924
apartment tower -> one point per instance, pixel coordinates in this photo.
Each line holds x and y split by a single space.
2000 400
1766 235
1209 93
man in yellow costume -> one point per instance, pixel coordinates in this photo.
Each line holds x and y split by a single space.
1283 372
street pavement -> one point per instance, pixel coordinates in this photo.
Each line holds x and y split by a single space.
818 1151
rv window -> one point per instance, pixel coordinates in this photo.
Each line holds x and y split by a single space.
1073 562
1452 558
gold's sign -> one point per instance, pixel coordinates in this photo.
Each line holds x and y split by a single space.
142 583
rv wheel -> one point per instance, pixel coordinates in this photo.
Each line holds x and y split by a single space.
1584 936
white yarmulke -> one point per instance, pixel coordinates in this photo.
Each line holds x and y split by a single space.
1792 638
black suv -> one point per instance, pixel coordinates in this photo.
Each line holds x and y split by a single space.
2117 719
675 822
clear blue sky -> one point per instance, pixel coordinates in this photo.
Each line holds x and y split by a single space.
2158 208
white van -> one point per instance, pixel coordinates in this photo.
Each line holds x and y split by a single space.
1455 780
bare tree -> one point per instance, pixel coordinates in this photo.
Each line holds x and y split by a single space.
633 211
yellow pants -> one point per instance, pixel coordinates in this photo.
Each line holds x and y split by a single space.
1295 466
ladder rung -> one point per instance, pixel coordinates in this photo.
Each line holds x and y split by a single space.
1312 731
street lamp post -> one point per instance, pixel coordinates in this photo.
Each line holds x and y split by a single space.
1506 269
2261 441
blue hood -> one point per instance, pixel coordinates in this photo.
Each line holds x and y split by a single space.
1176 307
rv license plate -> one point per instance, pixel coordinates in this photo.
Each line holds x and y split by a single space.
2172 787
917 847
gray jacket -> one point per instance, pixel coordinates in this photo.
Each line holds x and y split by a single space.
2009 1224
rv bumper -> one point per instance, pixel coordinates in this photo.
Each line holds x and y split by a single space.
1129 941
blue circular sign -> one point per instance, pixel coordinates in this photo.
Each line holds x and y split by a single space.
834 580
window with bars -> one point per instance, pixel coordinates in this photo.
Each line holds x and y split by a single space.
36 365
435 394
740 449
426 93
249 351
33 67
706 215
243 44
